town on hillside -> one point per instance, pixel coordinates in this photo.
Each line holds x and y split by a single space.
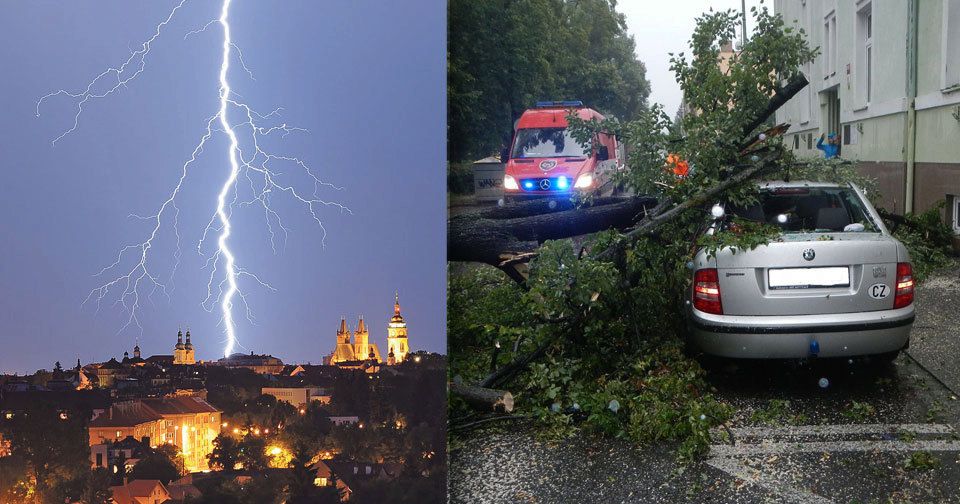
244 428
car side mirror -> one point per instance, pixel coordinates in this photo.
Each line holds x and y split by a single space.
504 155
603 153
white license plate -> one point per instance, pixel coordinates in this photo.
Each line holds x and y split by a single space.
808 278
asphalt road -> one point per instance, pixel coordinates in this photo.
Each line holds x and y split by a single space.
815 432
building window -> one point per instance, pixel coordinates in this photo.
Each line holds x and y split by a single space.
830 44
951 43
955 208
864 69
805 96
851 135
796 142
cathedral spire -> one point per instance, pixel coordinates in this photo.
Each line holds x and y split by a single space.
361 326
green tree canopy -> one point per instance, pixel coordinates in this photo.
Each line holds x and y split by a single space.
158 465
504 55
225 454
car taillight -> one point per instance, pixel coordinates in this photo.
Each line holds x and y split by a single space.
706 291
904 293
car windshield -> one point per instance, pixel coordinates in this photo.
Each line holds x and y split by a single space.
546 142
809 209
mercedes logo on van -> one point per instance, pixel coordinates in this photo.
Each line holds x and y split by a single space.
548 164
809 254
545 184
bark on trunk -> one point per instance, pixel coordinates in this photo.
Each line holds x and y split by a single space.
484 399
495 235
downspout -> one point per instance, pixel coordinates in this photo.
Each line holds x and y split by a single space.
911 147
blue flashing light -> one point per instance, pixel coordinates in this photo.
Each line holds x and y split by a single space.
527 185
562 183
565 103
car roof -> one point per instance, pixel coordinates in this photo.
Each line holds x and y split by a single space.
553 117
773 184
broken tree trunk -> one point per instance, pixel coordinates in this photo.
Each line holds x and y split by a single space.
485 399
494 236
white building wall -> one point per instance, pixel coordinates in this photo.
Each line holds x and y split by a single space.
877 128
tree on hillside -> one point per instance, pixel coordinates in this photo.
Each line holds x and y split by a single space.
504 55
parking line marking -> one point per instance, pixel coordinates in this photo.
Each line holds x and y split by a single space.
819 430
777 448
763 441
735 467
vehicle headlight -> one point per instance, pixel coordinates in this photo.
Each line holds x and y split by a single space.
584 181
510 183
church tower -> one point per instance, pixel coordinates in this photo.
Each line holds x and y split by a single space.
188 355
179 351
136 351
397 334
344 349
362 347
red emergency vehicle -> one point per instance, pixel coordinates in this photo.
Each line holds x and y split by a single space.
544 160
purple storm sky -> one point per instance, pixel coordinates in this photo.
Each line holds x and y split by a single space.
366 78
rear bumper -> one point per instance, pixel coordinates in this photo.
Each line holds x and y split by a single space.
790 337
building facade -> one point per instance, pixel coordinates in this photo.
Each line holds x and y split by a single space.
258 363
187 422
887 80
298 396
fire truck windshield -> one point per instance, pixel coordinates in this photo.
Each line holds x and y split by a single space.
546 142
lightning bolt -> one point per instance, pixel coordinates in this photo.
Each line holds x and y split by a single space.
251 181
226 304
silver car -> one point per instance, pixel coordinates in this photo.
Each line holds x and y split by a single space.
835 283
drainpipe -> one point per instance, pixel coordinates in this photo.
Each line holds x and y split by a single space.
911 154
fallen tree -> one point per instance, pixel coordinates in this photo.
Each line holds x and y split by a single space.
595 329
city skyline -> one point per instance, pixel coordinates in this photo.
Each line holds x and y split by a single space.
164 345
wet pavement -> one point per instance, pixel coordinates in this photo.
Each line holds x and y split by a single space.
935 339
819 431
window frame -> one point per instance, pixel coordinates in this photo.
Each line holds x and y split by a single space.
948 83
830 44
955 218
864 53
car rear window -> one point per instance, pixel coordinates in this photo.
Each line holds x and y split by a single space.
809 209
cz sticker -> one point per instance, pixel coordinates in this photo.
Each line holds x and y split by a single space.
879 291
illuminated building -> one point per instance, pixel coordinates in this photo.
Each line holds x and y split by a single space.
355 351
183 352
354 347
189 423
298 396
397 343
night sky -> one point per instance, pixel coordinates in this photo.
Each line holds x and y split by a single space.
366 78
